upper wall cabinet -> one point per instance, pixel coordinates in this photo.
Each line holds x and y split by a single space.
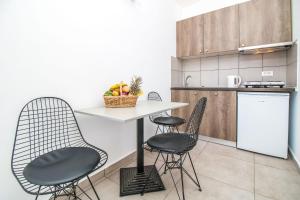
265 22
221 30
183 37
189 37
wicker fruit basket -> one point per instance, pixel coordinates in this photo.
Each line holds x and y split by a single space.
120 101
121 95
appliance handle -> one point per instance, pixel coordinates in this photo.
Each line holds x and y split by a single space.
239 80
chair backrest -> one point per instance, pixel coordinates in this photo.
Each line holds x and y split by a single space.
193 125
154 96
45 124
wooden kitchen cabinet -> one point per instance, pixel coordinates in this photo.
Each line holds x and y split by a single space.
219 120
197 36
265 22
189 37
181 96
221 30
183 38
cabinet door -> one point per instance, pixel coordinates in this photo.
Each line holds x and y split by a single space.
219 120
183 97
221 30
197 36
189 37
265 22
184 38
226 105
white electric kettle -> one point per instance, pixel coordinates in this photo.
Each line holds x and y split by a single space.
234 81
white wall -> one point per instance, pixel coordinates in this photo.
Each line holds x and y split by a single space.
75 49
202 6
294 138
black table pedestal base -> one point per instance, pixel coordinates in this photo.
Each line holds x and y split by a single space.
132 181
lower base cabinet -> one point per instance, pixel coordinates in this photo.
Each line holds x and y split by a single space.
219 120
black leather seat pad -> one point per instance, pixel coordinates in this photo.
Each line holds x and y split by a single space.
172 142
169 121
61 166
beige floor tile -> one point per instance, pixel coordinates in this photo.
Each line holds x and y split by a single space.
110 190
260 197
196 151
276 183
275 162
230 152
226 169
211 190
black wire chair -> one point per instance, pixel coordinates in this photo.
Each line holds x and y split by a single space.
179 145
164 121
48 134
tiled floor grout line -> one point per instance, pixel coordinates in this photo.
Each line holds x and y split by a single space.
294 170
228 184
231 156
272 198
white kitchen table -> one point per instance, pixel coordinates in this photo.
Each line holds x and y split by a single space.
132 179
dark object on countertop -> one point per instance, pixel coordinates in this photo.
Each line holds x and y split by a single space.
50 155
264 84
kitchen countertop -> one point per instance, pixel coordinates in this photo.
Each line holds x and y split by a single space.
240 89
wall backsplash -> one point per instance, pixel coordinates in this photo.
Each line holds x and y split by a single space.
213 71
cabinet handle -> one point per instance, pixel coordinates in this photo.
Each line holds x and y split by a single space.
194 93
243 45
206 50
216 93
200 51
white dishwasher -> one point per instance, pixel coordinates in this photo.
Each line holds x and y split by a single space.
263 120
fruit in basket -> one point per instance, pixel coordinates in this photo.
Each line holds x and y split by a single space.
115 86
135 86
115 93
117 90
125 89
108 93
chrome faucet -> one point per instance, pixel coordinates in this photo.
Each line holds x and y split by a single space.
186 84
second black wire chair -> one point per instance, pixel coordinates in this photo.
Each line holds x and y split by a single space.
165 122
178 146
50 155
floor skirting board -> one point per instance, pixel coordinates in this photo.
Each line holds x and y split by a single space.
295 159
217 141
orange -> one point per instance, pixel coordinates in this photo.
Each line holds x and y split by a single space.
125 88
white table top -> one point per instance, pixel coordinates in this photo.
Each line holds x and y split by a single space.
142 109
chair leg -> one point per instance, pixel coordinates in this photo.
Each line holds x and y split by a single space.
38 193
165 171
83 192
74 190
181 173
200 189
93 188
157 130
177 129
